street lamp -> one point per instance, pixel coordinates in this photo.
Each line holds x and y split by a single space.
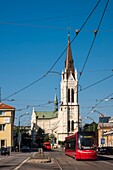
87 117
108 99
101 115
19 134
55 72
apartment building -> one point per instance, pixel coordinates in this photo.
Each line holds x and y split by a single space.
105 132
7 114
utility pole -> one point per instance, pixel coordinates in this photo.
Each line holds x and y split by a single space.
78 110
68 121
102 122
19 134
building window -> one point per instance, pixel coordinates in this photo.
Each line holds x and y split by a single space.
2 143
2 127
63 76
2 113
72 94
68 95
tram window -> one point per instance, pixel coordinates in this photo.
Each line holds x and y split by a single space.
70 143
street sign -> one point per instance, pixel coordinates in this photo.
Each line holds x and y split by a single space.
102 141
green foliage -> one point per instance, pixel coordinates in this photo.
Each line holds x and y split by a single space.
90 127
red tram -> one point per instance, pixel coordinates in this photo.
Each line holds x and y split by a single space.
81 146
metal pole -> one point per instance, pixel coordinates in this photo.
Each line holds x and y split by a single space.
102 130
102 139
67 104
19 136
78 109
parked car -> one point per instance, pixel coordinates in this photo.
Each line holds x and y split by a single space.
25 149
55 146
5 151
105 150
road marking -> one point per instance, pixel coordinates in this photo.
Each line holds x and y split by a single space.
20 164
58 165
107 162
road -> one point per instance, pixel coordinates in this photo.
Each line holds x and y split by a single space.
14 161
18 161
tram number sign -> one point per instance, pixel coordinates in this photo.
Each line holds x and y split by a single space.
102 140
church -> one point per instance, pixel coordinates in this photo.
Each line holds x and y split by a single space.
63 121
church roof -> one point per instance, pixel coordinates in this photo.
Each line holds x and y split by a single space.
69 63
46 114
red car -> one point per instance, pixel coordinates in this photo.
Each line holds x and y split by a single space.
47 146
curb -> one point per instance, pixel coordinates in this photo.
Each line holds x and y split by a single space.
39 160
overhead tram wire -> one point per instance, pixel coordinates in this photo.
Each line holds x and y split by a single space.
57 59
98 104
75 35
25 87
100 70
88 56
96 32
45 19
96 83
50 102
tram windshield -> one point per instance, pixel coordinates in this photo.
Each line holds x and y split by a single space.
86 142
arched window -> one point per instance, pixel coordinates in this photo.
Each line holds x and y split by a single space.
72 95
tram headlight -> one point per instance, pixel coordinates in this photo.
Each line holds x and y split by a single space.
79 151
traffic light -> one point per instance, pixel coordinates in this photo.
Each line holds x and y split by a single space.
72 125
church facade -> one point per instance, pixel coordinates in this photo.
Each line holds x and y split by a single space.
63 121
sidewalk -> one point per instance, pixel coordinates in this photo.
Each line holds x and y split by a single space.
106 156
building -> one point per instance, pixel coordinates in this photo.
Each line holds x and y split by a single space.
63 121
7 114
105 132
68 114
45 120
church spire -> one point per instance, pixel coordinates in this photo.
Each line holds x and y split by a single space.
69 63
55 103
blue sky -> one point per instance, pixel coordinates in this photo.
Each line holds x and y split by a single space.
33 35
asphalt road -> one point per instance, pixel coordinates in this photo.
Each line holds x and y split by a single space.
14 161
20 161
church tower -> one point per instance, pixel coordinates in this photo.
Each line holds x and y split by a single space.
68 115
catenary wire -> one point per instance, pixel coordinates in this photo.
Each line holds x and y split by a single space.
57 59
50 102
93 40
95 83
97 104
48 18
